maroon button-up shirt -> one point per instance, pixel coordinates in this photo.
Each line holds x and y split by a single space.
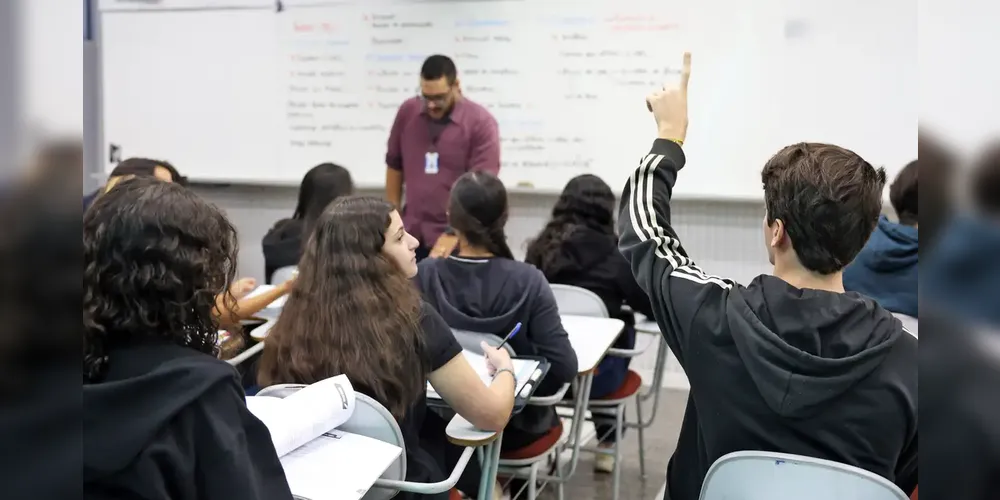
467 140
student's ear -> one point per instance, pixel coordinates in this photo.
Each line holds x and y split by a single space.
777 233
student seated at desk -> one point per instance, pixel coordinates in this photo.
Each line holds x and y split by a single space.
790 363
579 247
483 289
886 268
163 418
354 311
320 186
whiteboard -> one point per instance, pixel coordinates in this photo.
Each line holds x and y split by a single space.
260 96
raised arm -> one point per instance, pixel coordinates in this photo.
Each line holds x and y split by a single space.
678 290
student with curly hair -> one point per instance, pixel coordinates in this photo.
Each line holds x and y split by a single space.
354 311
163 417
579 247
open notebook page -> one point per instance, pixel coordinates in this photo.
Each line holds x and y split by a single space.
306 414
523 369
277 304
337 466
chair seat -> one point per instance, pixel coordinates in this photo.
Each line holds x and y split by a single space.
630 386
540 447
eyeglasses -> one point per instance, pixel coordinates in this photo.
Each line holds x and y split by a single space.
440 99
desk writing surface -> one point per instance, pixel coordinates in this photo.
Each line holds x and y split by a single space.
591 337
461 431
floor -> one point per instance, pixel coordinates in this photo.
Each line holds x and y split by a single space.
661 438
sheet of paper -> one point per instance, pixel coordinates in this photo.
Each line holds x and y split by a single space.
523 369
277 304
308 413
337 466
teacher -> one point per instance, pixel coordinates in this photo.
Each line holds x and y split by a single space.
436 137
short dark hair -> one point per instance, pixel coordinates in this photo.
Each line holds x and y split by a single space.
829 199
155 257
986 180
938 163
437 66
903 194
144 167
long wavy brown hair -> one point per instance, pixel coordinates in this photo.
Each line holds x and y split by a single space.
352 311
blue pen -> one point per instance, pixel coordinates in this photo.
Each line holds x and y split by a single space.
510 335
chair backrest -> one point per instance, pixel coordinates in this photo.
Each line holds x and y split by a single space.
373 420
470 341
369 419
578 301
909 323
763 475
283 274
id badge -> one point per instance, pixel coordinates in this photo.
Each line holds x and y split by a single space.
431 163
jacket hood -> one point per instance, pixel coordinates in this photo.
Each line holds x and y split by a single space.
962 271
282 245
122 416
285 232
892 247
805 348
585 248
487 303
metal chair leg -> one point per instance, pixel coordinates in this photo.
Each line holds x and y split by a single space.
617 473
642 441
533 482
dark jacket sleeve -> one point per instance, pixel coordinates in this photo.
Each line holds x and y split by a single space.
546 333
906 468
634 296
680 293
236 457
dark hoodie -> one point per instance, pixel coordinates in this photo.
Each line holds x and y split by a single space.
282 246
962 271
491 295
168 422
590 259
886 268
772 367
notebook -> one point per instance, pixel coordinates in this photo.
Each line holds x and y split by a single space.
277 304
320 461
524 372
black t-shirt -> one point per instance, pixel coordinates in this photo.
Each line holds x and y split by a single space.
423 463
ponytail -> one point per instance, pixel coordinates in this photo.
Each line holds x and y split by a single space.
497 242
492 238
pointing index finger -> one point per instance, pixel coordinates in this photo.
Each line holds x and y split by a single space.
686 71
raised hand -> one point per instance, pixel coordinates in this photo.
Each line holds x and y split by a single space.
670 106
